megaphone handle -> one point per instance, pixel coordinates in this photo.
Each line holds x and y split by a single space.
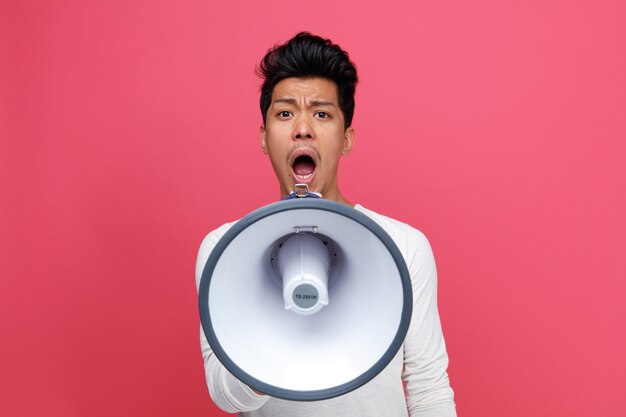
302 191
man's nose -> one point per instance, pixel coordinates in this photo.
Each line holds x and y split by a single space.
304 129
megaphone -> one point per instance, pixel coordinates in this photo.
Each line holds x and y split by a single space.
305 299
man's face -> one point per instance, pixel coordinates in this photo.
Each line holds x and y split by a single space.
304 135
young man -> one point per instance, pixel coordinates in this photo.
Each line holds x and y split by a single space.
307 103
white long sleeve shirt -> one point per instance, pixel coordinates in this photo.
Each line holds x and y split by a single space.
421 363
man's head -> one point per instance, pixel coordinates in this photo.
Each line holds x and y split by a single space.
307 103
309 56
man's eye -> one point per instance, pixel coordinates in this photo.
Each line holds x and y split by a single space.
284 113
322 115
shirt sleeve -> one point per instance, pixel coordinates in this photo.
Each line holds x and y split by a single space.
428 391
227 392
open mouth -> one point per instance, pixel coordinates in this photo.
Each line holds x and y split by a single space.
303 167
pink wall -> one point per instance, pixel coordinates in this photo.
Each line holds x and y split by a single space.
129 129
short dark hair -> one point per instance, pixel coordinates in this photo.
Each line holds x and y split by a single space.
307 56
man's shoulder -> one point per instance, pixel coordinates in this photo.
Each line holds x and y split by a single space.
211 239
216 234
399 231
207 245
412 243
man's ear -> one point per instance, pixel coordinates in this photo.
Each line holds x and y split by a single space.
348 141
262 139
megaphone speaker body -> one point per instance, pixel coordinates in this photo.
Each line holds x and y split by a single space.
305 299
303 263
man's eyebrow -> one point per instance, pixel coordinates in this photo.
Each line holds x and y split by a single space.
313 102
286 100
320 102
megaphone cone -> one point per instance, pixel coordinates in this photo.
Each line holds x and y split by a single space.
305 299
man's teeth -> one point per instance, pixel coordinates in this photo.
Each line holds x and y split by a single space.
304 177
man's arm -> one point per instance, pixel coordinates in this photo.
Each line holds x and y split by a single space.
428 392
227 392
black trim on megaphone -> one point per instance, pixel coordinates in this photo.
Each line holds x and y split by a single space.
295 204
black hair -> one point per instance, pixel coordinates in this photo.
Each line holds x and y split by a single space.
306 56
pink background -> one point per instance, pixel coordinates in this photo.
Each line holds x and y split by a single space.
129 130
